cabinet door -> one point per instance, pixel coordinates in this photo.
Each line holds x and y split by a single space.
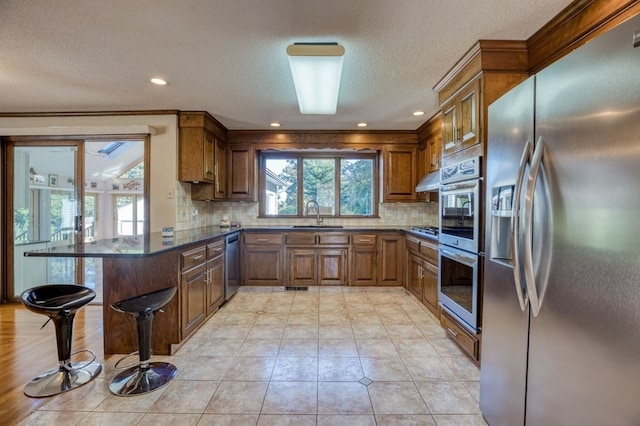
430 287
449 123
215 283
262 264
400 174
241 173
414 278
390 260
193 285
434 152
363 265
208 149
303 269
220 188
195 155
332 266
468 130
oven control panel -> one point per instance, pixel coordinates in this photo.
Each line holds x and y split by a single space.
468 169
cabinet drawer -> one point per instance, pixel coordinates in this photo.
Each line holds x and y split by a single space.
333 239
301 238
429 251
467 341
413 245
194 257
215 249
251 238
363 239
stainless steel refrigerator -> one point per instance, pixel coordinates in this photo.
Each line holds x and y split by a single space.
561 307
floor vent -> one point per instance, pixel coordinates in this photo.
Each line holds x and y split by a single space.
296 288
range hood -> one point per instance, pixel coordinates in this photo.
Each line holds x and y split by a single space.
429 183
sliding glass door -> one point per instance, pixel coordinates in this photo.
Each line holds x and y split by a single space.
47 210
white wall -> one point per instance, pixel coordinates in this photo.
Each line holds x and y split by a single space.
163 154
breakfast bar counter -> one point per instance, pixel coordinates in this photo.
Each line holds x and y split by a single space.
135 265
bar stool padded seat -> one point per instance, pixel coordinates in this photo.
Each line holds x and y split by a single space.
60 302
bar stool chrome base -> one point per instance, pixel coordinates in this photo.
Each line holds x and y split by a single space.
136 380
62 379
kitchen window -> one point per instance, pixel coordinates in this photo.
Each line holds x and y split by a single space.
343 185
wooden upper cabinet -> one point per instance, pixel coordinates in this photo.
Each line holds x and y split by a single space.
220 171
195 159
400 173
487 71
434 152
460 119
241 176
429 152
201 155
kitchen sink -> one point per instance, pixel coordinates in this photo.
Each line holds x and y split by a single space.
318 226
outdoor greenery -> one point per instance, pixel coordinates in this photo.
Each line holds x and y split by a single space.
319 184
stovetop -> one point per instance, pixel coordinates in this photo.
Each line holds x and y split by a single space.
431 231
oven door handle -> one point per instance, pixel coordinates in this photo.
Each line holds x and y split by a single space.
461 258
523 298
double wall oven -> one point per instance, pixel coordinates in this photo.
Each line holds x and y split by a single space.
459 241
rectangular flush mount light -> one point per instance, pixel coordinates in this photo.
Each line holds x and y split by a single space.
316 70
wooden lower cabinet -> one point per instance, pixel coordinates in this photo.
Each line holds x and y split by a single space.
302 266
317 266
466 340
391 250
193 284
332 266
201 284
422 272
262 259
215 276
414 279
363 265
430 287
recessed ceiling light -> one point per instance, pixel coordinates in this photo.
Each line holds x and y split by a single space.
274 124
159 81
418 113
362 124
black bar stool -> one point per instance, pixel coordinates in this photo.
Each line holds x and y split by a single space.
145 376
60 302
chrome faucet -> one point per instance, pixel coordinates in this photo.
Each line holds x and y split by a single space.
306 207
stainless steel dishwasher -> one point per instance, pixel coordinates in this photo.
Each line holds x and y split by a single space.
232 266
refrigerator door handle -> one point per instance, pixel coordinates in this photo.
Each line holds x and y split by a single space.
534 173
523 298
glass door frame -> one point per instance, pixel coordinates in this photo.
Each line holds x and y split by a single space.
8 148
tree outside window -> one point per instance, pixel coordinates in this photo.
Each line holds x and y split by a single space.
343 185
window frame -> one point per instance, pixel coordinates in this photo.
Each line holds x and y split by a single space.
300 156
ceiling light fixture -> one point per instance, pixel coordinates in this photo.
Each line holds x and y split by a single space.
418 113
362 124
274 124
159 81
316 69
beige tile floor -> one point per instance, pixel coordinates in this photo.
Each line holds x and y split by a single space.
329 356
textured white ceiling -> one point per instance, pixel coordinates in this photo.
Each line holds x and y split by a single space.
228 56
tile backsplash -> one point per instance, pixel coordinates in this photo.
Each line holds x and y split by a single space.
195 214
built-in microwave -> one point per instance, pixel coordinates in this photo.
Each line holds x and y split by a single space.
459 205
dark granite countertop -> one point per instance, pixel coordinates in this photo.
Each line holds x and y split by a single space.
154 243
134 246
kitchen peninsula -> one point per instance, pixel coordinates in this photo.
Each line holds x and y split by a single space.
135 265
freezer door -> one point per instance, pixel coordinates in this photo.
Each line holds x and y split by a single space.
584 349
505 321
